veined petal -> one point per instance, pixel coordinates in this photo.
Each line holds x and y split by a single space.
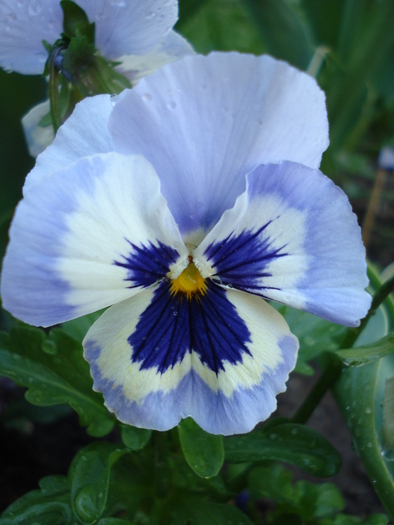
83 134
38 138
87 237
173 47
130 26
24 24
220 358
197 123
291 237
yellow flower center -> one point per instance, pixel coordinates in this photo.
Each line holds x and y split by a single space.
189 282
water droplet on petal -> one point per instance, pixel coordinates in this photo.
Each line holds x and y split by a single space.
171 105
35 6
150 15
147 97
118 3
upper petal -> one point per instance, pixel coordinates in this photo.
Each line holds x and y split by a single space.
87 237
291 237
24 24
130 27
84 133
204 122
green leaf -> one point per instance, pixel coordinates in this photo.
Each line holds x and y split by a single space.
135 438
359 393
89 478
362 355
192 511
288 442
314 334
203 452
302 498
224 26
388 418
115 521
76 22
49 506
61 376
285 35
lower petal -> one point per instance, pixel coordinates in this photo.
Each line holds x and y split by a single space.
222 361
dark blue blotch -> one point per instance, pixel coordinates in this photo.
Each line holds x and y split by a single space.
172 325
241 261
148 264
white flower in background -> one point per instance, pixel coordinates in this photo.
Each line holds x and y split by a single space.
136 33
185 205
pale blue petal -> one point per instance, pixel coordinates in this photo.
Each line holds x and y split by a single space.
79 239
291 237
121 27
222 361
84 133
205 122
130 26
24 24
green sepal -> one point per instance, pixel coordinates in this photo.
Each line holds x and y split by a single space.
203 452
89 477
288 442
60 377
76 22
135 438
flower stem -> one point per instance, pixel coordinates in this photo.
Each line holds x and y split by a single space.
334 367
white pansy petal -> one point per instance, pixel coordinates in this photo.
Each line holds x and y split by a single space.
291 237
220 359
204 122
173 47
87 237
24 24
130 26
84 133
38 138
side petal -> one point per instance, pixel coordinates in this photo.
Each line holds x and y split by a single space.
205 122
24 24
291 237
220 359
83 134
125 27
87 237
38 138
173 47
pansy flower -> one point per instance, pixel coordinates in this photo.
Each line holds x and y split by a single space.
187 204
136 34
